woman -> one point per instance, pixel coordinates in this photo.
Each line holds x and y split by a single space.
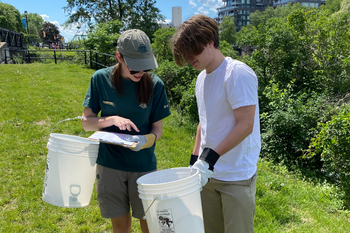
133 101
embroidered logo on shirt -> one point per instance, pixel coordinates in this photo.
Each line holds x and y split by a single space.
166 106
143 105
109 103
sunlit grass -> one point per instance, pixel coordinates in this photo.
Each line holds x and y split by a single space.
34 97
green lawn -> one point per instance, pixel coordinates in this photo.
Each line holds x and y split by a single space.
34 97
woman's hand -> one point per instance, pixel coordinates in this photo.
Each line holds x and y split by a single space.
93 123
124 123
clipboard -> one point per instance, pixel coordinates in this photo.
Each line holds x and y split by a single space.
118 139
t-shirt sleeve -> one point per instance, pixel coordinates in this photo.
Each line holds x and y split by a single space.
242 86
160 105
92 97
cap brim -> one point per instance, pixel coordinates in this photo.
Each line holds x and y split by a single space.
141 64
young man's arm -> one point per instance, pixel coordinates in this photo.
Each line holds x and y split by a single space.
197 144
245 122
244 126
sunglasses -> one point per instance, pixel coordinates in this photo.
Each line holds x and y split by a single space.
136 72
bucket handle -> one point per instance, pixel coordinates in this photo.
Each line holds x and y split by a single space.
68 119
144 215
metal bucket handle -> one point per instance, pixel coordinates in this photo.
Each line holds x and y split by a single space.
68 119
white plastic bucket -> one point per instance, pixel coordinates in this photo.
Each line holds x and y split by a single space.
171 200
70 170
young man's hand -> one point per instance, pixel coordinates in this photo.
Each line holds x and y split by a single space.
205 164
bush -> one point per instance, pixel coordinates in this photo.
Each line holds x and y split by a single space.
288 122
332 143
176 79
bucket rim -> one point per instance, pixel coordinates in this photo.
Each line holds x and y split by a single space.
166 196
139 180
60 136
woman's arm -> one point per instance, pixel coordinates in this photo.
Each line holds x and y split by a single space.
94 123
157 129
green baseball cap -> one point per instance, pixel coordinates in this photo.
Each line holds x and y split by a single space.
136 49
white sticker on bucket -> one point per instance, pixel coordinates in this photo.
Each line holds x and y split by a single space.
165 220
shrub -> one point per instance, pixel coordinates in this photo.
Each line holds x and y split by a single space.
288 123
333 143
176 79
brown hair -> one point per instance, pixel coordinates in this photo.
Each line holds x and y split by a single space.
144 87
192 36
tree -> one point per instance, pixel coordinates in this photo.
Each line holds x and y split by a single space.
94 12
344 8
34 24
161 45
261 17
332 5
143 15
49 33
140 14
10 18
35 21
228 29
103 36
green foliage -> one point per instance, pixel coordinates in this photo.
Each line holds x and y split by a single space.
161 45
228 29
10 18
288 122
143 15
94 12
175 78
344 8
140 14
262 17
102 37
227 49
310 47
332 143
188 102
332 5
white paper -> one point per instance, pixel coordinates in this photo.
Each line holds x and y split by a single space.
109 137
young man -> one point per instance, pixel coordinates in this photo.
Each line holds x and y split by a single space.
228 133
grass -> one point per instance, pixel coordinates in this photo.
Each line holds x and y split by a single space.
34 97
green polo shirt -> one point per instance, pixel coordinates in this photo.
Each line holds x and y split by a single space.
102 97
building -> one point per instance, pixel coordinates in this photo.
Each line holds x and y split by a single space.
240 10
176 16
308 3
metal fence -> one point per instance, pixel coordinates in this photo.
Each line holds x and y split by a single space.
94 59
12 38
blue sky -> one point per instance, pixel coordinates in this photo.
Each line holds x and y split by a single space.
52 10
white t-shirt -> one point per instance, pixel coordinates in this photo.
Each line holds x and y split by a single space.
232 85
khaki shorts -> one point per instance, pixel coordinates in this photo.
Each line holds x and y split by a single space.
229 206
117 191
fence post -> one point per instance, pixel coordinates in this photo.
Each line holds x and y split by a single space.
5 57
96 57
90 59
54 54
105 60
28 57
85 56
